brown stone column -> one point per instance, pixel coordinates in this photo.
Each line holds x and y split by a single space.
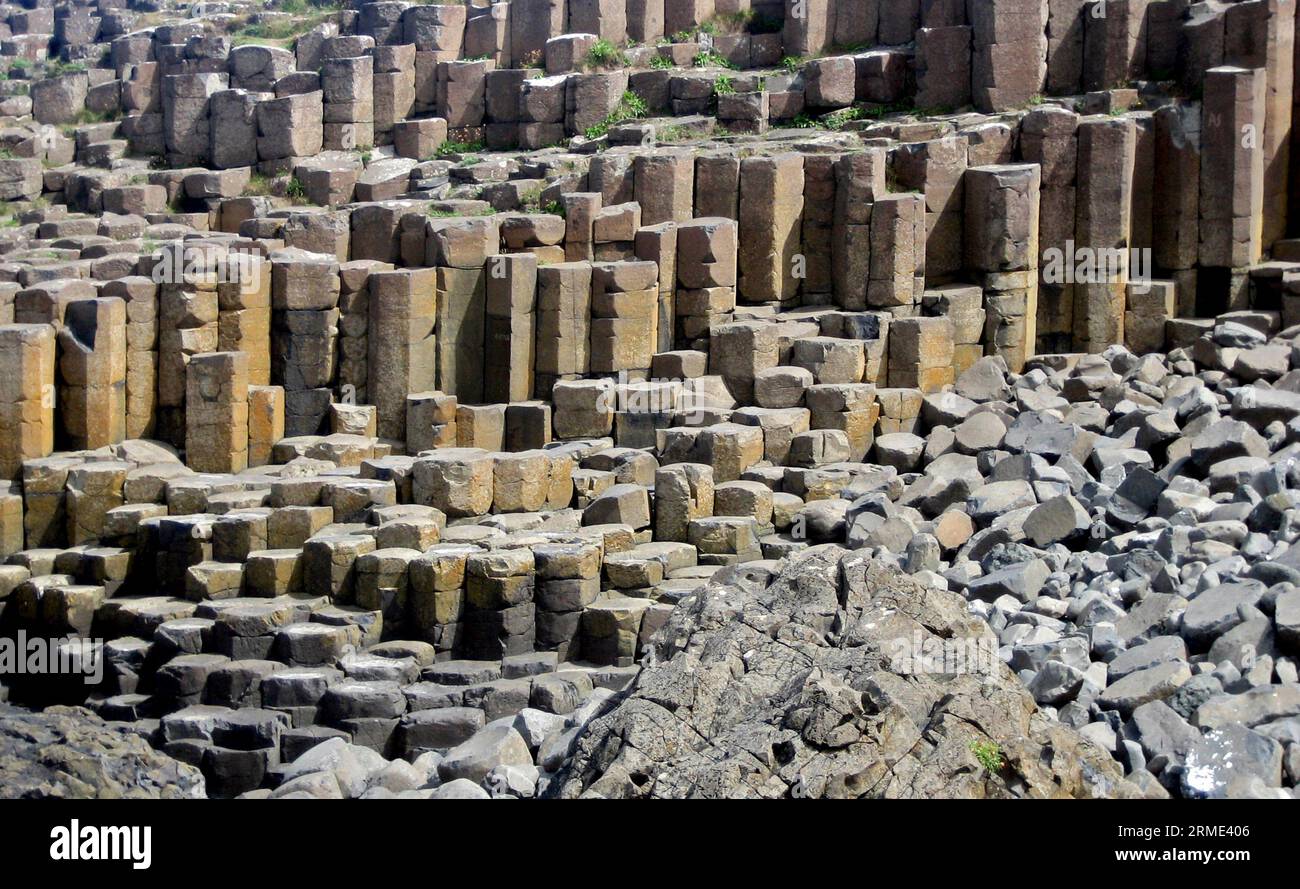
27 395
216 412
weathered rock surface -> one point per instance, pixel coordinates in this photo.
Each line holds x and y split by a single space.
69 753
795 685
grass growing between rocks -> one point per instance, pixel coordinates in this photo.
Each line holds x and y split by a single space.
448 149
58 69
436 212
295 191
604 54
838 120
710 59
258 184
630 107
681 133
988 754
8 215
299 18
86 116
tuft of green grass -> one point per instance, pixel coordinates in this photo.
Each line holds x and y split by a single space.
300 19
630 107
295 190
792 64
989 755
670 133
604 54
58 69
258 184
724 85
710 59
86 116
837 119
447 149
661 63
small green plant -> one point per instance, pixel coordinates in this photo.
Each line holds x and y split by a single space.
367 151
531 200
792 64
447 149
86 116
661 63
710 59
554 208
989 755
604 54
709 28
630 106
58 69
803 122
295 190
724 85
837 119
258 184
298 19
670 133
683 36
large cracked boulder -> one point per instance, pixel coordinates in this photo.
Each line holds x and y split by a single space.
70 753
807 685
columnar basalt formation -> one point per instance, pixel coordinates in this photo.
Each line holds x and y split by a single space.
383 395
